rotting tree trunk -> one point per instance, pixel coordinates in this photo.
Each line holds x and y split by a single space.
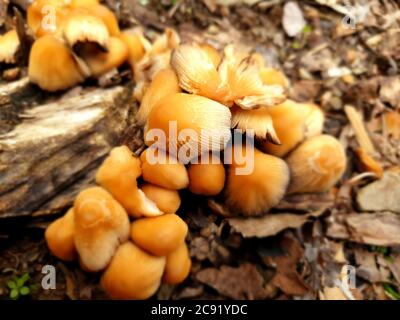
49 152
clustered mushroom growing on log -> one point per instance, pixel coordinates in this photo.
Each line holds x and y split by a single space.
127 227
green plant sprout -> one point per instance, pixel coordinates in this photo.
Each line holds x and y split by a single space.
391 291
18 286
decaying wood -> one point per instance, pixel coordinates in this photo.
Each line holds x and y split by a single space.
52 150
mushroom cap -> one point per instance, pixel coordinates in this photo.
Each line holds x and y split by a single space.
136 49
164 83
108 18
168 201
259 121
260 187
167 172
197 73
159 235
9 46
314 119
133 273
207 178
81 26
271 76
201 124
178 265
101 225
316 165
100 62
212 53
289 122
52 66
246 89
83 3
59 236
118 175
40 17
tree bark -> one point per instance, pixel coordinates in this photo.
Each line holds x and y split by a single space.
49 152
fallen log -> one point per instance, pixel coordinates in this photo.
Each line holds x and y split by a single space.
50 151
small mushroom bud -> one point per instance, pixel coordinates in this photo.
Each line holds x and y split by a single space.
197 72
52 66
255 183
289 122
59 236
163 84
201 124
133 273
82 27
101 225
207 177
178 265
100 62
167 172
159 235
316 165
118 175
168 201
9 46
271 76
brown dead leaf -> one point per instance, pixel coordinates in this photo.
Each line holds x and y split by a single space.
367 267
334 293
244 282
381 229
287 278
307 202
390 91
271 224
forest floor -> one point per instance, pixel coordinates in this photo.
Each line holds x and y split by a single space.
336 59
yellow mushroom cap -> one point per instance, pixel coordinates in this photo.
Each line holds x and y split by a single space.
118 175
9 46
83 3
178 265
100 62
46 17
260 187
101 225
289 123
207 178
201 124
135 46
52 66
314 119
316 165
59 236
133 273
212 53
197 72
81 26
271 76
168 201
163 84
167 172
159 235
108 17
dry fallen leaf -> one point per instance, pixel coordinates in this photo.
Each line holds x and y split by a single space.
380 229
271 224
381 195
367 267
244 282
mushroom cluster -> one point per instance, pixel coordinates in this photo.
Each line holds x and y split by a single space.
73 40
193 99
135 257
